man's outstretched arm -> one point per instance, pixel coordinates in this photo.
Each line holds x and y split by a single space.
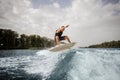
66 26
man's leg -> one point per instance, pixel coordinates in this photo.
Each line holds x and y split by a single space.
57 40
66 37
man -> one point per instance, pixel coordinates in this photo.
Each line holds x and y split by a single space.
58 35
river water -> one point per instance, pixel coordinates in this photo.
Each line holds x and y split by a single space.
73 64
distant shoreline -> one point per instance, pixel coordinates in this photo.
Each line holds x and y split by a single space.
12 40
111 44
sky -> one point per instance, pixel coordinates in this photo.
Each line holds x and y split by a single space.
91 21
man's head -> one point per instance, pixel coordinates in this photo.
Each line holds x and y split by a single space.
62 28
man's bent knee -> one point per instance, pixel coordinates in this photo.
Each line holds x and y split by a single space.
66 37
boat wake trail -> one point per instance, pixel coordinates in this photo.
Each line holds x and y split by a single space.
73 64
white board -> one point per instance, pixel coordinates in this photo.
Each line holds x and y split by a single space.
62 47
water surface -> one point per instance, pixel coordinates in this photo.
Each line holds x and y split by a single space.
73 64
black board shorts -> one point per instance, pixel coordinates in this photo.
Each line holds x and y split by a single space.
61 38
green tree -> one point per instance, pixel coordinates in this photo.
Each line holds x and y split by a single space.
7 39
24 42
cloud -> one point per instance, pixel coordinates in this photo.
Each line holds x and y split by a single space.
110 1
56 5
90 21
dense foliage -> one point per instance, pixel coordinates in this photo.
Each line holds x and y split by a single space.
111 44
12 40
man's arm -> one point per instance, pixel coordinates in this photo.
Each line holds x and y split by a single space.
66 26
61 28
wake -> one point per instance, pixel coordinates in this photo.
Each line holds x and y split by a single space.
49 64
76 64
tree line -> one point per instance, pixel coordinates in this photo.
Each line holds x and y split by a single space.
12 40
111 44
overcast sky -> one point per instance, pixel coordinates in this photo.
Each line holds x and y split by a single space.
91 21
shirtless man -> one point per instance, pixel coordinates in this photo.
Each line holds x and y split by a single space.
58 35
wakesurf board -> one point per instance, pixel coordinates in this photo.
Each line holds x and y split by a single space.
62 47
